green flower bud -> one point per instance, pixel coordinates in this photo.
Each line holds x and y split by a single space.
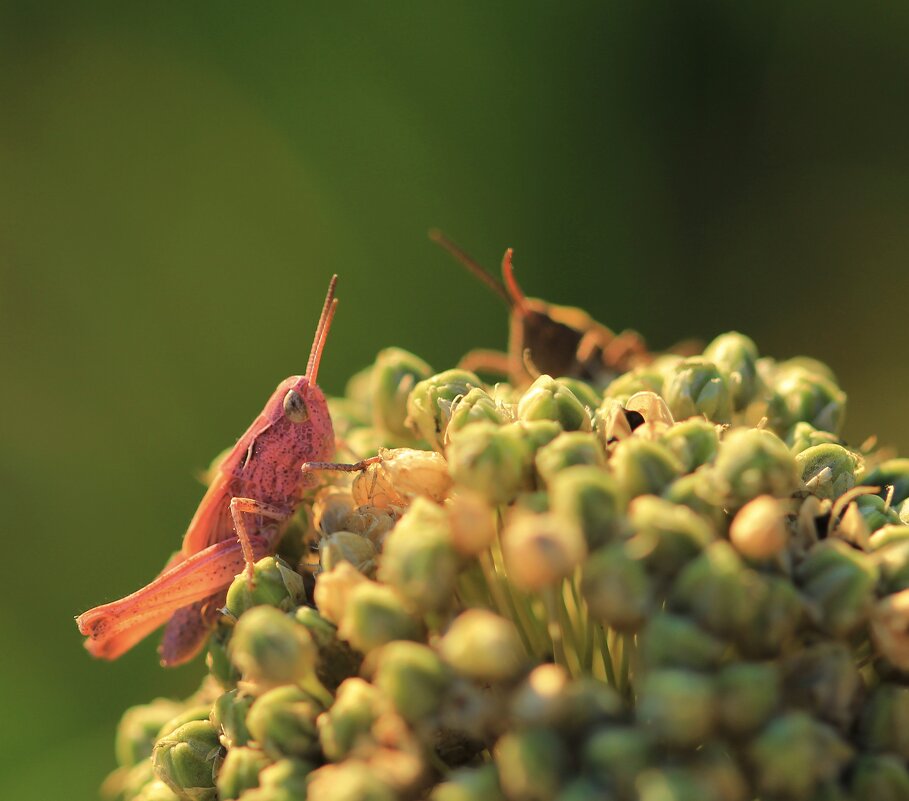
678 707
429 404
229 716
483 646
470 784
349 781
376 614
616 588
540 700
124 784
696 387
754 462
188 715
823 679
641 379
759 530
337 661
541 549
536 433
349 720
285 780
590 498
801 395
567 450
884 724
345 546
876 512
795 755
589 702
666 536
475 406
891 555
155 791
492 460
642 467
828 470
883 777
804 435
668 784
139 727
760 613
671 641
271 650
187 760
419 559
391 380
275 583
615 756
217 659
694 442
748 694
413 677
548 399
580 789
585 393
282 721
611 423
701 492
892 473
532 764
736 357
841 581
240 772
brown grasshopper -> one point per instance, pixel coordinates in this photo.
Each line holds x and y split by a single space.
545 337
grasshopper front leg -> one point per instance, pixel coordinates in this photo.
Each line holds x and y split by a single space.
114 628
241 506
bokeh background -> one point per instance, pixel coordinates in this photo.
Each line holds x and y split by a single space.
179 180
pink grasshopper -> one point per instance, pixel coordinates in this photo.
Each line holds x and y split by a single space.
240 519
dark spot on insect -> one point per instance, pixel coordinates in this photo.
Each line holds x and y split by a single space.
634 419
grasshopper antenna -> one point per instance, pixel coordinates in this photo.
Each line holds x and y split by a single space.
472 266
318 342
514 291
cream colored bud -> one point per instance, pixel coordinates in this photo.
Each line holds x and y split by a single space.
333 588
759 530
473 523
541 549
402 475
890 628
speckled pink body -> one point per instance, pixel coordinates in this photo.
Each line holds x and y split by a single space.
261 478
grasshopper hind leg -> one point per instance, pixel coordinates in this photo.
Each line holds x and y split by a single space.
188 628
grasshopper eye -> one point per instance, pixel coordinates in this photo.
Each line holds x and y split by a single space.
295 407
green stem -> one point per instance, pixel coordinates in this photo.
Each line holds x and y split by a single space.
602 648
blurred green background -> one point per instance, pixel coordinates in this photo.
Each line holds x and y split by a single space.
178 182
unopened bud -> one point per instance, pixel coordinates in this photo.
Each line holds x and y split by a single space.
376 614
548 399
697 387
541 549
393 376
483 646
759 529
283 723
187 760
275 583
240 772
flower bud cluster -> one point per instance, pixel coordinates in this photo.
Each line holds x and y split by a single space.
682 585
